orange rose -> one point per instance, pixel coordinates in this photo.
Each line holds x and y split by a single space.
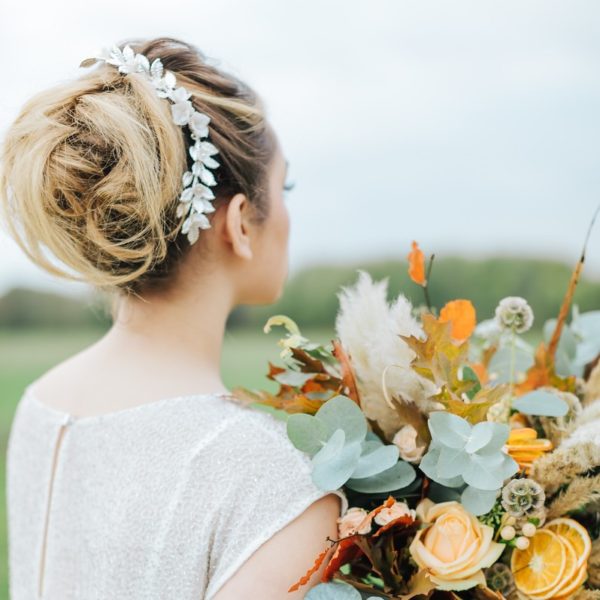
395 511
454 547
354 521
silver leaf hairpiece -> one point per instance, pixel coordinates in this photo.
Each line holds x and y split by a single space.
195 199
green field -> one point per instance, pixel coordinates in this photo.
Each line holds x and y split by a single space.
26 355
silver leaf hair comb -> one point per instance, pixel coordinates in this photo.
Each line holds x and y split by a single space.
196 196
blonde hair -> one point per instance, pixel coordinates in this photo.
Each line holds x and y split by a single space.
91 168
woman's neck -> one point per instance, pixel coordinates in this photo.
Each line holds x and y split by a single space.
185 329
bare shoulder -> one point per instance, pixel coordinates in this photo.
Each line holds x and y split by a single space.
286 556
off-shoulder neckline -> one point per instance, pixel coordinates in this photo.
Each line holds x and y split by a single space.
69 418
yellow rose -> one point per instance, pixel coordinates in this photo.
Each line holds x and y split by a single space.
454 547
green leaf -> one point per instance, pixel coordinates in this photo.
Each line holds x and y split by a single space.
293 378
376 461
468 374
541 403
306 432
399 476
342 413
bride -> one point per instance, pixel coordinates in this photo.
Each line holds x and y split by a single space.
131 472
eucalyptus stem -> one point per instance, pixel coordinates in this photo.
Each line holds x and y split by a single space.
513 345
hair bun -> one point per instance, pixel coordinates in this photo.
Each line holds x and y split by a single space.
91 169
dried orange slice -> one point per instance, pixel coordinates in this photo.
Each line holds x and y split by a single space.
521 434
570 587
576 533
540 567
567 576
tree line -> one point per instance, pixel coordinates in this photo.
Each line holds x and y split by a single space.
310 296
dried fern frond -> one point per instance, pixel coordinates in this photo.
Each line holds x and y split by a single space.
594 565
564 464
585 594
581 491
592 386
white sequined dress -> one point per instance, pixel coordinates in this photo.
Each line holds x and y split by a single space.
164 500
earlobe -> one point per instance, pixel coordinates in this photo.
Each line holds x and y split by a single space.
237 230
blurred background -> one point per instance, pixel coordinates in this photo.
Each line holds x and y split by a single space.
471 126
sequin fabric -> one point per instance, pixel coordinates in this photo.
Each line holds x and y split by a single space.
163 500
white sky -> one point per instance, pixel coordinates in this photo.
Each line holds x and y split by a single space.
470 125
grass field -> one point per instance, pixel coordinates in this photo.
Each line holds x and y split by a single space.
26 355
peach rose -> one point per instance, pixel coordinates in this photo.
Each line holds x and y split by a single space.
406 441
454 547
397 510
352 522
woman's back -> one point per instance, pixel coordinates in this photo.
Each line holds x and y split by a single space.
122 483
163 500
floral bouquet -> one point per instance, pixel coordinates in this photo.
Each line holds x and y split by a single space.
471 460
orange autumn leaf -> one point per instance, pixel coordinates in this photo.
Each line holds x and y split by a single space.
346 552
348 378
416 265
462 316
542 373
481 372
306 577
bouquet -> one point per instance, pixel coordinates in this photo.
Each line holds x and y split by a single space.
467 456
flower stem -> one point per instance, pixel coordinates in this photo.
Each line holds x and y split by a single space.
426 286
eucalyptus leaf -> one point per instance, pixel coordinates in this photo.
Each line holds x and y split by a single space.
451 482
452 462
509 467
333 591
429 462
381 459
332 448
494 434
372 437
441 493
541 403
481 476
306 432
399 476
480 436
342 413
566 351
333 473
477 501
449 429
501 361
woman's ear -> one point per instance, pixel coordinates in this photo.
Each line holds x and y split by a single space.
236 230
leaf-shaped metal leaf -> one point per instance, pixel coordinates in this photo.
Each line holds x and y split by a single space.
88 62
156 70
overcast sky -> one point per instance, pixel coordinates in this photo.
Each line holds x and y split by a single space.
471 126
